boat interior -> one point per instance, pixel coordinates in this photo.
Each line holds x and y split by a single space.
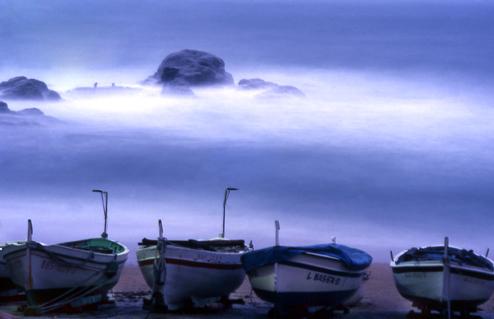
97 245
456 255
223 245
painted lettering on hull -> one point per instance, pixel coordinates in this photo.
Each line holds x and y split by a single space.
51 266
327 279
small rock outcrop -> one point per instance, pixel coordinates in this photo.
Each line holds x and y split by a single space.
31 112
95 90
29 116
30 89
4 108
269 89
256 84
191 68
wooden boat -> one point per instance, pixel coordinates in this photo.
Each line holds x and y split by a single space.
195 272
184 273
82 271
71 274
443 278
325 275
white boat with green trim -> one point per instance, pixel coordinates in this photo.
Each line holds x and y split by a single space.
75 273
71 274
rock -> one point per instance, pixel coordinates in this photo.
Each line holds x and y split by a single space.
88 91
29 117
191 68
31 112
270 89
23 88
286 90
4 108
256 84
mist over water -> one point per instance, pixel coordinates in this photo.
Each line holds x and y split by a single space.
391 148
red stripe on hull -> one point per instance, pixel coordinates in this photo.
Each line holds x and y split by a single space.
191 263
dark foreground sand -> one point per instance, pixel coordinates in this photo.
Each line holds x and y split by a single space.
381 300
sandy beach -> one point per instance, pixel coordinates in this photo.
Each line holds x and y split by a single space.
381 300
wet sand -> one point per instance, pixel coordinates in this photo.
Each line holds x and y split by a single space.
381 300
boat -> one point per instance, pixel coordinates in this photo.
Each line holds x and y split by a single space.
196 272
301 277
191 273
8 290
66 275
443 278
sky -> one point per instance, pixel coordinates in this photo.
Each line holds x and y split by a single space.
389 149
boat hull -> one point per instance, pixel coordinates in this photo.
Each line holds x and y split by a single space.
46 272
305 281
424 285
7 287
193 276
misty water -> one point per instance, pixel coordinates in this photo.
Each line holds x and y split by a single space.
390 148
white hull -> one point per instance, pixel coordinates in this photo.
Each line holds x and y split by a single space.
306 280
45 271
427 283
193 275
465 282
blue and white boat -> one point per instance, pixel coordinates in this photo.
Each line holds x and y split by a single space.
324 275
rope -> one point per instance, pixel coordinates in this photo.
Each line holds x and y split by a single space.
74 294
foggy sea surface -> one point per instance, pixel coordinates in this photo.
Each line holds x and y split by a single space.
391 148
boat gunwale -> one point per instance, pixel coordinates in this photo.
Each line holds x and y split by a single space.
436 263
151 247
21 249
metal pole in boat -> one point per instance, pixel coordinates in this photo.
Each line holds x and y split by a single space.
225 199
277 232
159 268
29 262
446 274
104 201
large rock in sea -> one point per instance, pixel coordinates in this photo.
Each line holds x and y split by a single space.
269 89
191 68
30 89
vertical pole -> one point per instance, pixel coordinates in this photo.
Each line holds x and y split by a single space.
105 234
277 232
227 191
159 272
29 261
225 199
277 243
104 202
446 274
